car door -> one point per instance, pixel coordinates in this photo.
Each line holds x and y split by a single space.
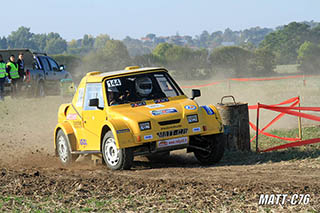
50 80
75 117
92 116
57 73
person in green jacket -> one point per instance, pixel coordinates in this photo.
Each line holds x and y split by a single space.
13 70
3 76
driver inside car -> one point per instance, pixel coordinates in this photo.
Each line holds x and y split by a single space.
143 87
116 97
113 96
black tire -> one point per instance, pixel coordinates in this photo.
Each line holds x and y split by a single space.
158 157
215 146
64 149
114 158
41 90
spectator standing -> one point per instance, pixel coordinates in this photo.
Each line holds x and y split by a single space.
3 76
21 68
13 70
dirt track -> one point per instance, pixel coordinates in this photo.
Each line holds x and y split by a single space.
29 170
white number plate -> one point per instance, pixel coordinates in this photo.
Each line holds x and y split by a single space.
114 83
172 142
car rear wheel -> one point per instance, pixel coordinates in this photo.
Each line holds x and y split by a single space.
114 158
214 146
64 149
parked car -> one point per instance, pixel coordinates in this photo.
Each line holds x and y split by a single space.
43 73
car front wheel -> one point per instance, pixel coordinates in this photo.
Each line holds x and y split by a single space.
116 159
214 146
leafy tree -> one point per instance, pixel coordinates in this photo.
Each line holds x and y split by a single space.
248 46
22 38
254 35
113 56
101 40
87 41
3 43
315 34
262 63
136 47
204 39
56 46
233 60
161 50
286 42
309 57
148 60
151 36
185 62
41 41
53 35
81 46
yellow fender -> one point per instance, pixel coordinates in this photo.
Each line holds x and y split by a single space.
68 131
212 119
122 133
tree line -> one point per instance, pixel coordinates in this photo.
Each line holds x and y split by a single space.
252 52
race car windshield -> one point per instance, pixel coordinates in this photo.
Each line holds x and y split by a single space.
141 87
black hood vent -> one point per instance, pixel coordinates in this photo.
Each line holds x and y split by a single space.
163 123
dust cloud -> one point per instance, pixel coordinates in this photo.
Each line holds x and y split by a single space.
27 125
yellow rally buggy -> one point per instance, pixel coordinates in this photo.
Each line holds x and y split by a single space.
136 111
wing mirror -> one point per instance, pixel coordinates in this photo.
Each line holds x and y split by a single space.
95 103
195 93
61 67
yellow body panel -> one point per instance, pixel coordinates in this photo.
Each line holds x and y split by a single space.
84 128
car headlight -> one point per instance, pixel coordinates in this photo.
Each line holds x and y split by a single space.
192 118
144 125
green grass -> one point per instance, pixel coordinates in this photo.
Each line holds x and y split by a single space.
307 133
50 204
310 153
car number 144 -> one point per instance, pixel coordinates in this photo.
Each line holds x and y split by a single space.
114 83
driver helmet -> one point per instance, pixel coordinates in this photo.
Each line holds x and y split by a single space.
143 86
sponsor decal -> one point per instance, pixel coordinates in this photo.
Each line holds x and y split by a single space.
196 129
122 131
83 142
161 100
148 137
172 133
172 142
114 82
190 107
164 111
72 116
138 104
153 106
208 110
